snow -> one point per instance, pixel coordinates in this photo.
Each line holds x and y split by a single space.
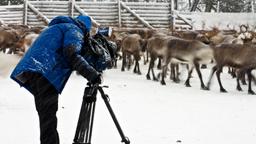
148 112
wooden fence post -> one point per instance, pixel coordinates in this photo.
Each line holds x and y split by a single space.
25 12
39 14
119 14
71 8
172 16
252 5
218 6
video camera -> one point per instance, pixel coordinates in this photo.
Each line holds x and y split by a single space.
106 31
101 53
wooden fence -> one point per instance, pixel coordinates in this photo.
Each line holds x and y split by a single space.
116 14
11 14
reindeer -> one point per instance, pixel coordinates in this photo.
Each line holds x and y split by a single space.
26 41
242 57
192 35
188 35
132 45
117 39
155 47
7 40
216 37
192 52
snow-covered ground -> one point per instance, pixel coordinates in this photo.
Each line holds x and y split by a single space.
148 112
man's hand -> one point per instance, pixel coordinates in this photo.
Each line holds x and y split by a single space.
97 80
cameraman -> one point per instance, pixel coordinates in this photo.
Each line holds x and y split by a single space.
48 64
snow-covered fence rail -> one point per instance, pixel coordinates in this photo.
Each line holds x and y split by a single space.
156 15
104 13
41 12
11 14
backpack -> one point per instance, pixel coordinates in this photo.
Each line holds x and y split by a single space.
99 52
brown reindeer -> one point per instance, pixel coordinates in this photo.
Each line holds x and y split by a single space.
156 46
192 35
192 52
132 45
26 41
188 35
242 57
8 38
217 36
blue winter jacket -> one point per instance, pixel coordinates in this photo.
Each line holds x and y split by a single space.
56 53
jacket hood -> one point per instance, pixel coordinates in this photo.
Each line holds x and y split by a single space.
83 22
86 22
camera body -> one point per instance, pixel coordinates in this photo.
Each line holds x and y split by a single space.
106 31
100 53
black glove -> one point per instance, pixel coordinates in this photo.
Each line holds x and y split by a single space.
97 80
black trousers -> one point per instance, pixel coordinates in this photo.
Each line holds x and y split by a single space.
46 101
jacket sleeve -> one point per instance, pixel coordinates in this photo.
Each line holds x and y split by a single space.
73 41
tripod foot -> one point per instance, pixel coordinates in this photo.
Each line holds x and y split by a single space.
126 140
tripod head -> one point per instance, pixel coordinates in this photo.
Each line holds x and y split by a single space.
96 85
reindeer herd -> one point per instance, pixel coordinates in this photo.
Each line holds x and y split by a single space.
194 49
14 42
172 49
16 39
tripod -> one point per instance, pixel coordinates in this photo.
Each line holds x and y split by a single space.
85 122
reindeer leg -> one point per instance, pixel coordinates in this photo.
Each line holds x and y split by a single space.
250 91
124 61
218 77
115 63
149 68
164 70
147 56
238 86
233 72
229 70
153 73
210 78
172 74
144 59
187 82
135 67
159 63
177 73
254 79
243 79
130 61
197 66
138 68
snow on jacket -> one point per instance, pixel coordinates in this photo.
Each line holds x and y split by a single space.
56 53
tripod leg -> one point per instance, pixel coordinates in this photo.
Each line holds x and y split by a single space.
89 124
80 123
85 122
106 100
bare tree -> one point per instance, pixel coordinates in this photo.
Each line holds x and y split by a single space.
194 5
189 3
175 4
